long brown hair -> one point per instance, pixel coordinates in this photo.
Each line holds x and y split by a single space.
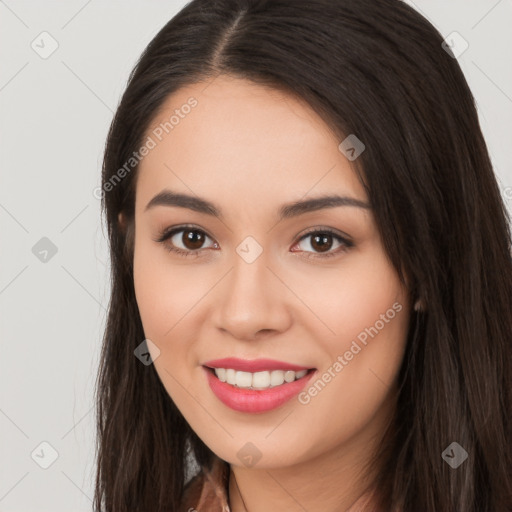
375 68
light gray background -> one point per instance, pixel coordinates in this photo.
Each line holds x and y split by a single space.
54 117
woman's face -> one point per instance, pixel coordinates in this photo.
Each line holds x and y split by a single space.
255 281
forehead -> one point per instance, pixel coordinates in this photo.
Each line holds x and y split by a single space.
243 140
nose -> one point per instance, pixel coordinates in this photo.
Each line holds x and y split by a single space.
252 302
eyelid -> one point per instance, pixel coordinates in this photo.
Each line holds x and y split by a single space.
168 232
326 229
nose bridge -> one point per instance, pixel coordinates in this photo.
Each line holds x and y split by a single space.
249 278
249 301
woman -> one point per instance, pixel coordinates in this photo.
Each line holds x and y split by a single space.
311 270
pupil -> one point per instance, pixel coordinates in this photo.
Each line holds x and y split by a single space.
324 240
192 239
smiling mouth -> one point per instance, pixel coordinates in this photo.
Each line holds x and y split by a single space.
258 380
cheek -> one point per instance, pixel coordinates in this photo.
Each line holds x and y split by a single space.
357 382
371 322
164 295
165 298
367 318
345 299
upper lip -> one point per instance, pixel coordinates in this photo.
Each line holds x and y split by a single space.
253 365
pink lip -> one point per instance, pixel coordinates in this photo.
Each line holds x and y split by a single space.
253 400
254 365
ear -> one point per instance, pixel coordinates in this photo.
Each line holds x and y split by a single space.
122 221
419 305
419 302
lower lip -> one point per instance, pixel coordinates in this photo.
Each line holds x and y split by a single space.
253 400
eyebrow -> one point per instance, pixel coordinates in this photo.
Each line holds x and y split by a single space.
286 211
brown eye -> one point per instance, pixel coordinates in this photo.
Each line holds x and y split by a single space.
185 240
192 239
321 242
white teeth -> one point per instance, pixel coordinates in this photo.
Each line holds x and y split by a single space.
221 374
289 376
257 380
243 379
260 380
276 378
230 376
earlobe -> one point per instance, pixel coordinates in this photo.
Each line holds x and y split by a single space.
419 303
419 306
122 222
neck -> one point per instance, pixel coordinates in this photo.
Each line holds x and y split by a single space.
276 490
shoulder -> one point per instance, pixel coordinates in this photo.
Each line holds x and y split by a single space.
208 490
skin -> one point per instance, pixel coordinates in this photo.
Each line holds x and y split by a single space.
249 149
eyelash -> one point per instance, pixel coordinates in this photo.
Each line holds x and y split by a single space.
169 233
